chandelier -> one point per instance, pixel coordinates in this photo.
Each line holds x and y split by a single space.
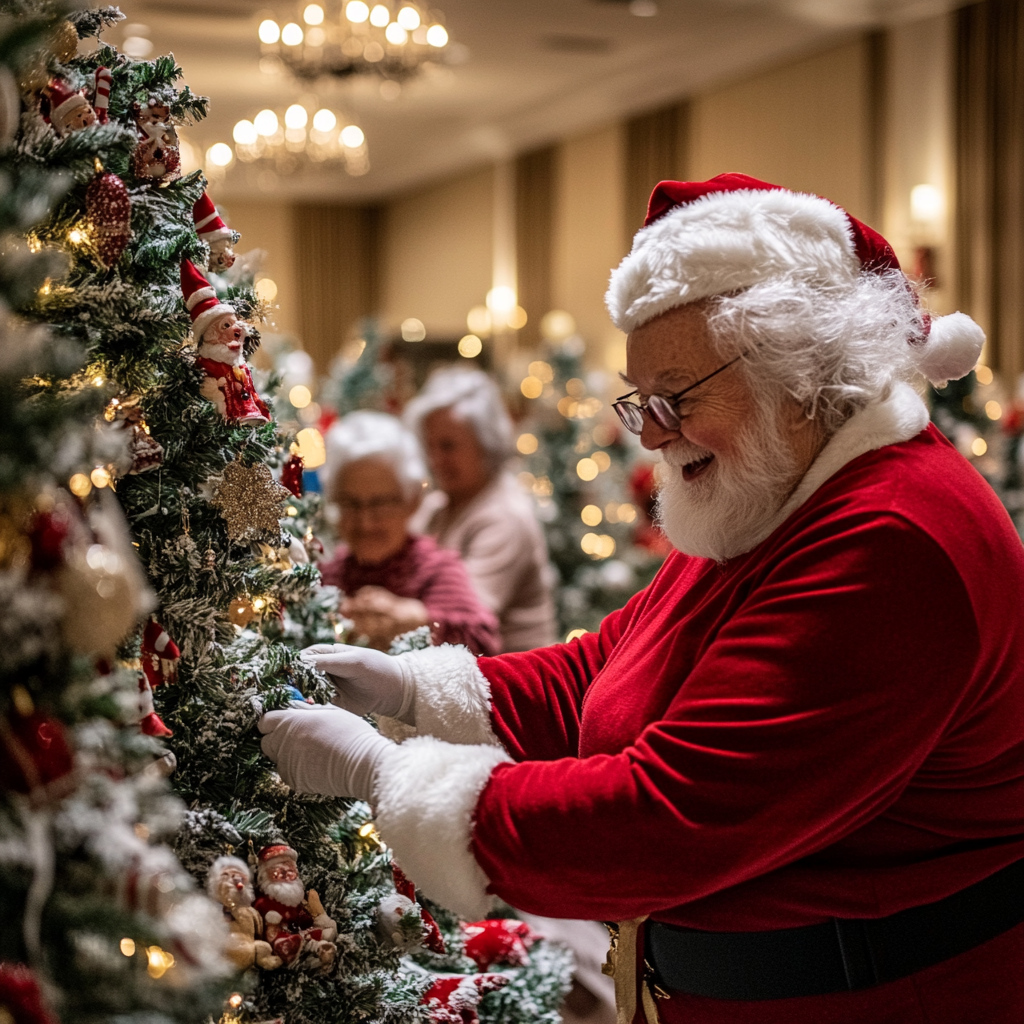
284 141
351 37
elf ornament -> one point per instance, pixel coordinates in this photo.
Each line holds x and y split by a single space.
156 156
229 882
220 336
212 230
110 212
453 999
296 924
160 656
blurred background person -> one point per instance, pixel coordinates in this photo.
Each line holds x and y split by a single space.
479 508
392 580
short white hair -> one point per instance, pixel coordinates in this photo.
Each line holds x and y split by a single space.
365 435
834 347
473 398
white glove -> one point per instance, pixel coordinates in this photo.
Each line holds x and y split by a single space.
367 682
321 749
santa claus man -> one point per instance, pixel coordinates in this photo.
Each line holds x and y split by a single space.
294 920
792 768
220 339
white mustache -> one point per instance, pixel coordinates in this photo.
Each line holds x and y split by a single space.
682 453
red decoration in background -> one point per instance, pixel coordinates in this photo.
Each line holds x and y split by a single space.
35 757
110 212
20 995
644 489
291 475
47 533
500 941
433 939
454 999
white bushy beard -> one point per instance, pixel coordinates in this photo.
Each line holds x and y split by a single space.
221 353
227 894
732 505
288 893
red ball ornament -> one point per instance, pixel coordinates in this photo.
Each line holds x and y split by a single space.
35 757
498 941
291 475
110 212
20 995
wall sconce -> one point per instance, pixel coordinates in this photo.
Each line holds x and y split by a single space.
927 216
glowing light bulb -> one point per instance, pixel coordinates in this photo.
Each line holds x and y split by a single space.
437 36
291 34
526 444
395 34
295 116
269 31
313 15
470 346
357 12
128 947
324 120
75 236
408 18
244 133
265 123
219 154
300 396
379 16
352 136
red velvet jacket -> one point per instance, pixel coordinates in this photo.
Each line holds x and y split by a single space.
829 725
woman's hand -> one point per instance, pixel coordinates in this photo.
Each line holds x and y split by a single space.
366 682
380 616
319 748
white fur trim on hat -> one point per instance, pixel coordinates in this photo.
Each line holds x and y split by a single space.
951 350
726 241
453 697
207 317
427 791
73 102
215 235
199 295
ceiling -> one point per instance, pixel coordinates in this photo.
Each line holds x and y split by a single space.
524 73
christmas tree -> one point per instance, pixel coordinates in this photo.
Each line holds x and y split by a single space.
212 492
577 464
104 921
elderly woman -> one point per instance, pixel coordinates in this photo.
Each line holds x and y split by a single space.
483 513
792 768
393 581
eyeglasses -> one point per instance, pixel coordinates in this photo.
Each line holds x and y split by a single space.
661 408
385 507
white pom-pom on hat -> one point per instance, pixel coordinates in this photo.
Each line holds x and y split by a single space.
951 349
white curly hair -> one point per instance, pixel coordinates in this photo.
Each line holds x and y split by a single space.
473 398
366 434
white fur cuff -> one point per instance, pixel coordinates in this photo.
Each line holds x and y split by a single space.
453 699
427 791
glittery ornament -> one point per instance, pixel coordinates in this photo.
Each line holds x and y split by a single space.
241 612
250 500
64 41
110 212
291 475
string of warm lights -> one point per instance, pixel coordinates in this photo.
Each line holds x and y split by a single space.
344 39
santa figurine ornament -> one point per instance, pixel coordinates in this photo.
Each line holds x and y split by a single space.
212 230
69 110
160 656
220 337
156 156
296 924
229 882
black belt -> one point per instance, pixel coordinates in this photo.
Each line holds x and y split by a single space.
838 955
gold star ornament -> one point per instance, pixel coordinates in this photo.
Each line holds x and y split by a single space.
250 501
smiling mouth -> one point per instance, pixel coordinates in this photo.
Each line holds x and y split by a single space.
692 470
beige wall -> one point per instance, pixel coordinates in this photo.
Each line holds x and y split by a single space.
268 226
437 253
803 126
588 237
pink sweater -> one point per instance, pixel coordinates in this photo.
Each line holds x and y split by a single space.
432 575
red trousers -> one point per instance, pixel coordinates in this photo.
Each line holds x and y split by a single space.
982 986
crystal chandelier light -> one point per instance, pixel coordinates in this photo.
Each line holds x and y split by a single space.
283 141
350 37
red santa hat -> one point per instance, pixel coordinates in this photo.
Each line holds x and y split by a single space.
200 300
704 238
275 852
208 223
63 100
